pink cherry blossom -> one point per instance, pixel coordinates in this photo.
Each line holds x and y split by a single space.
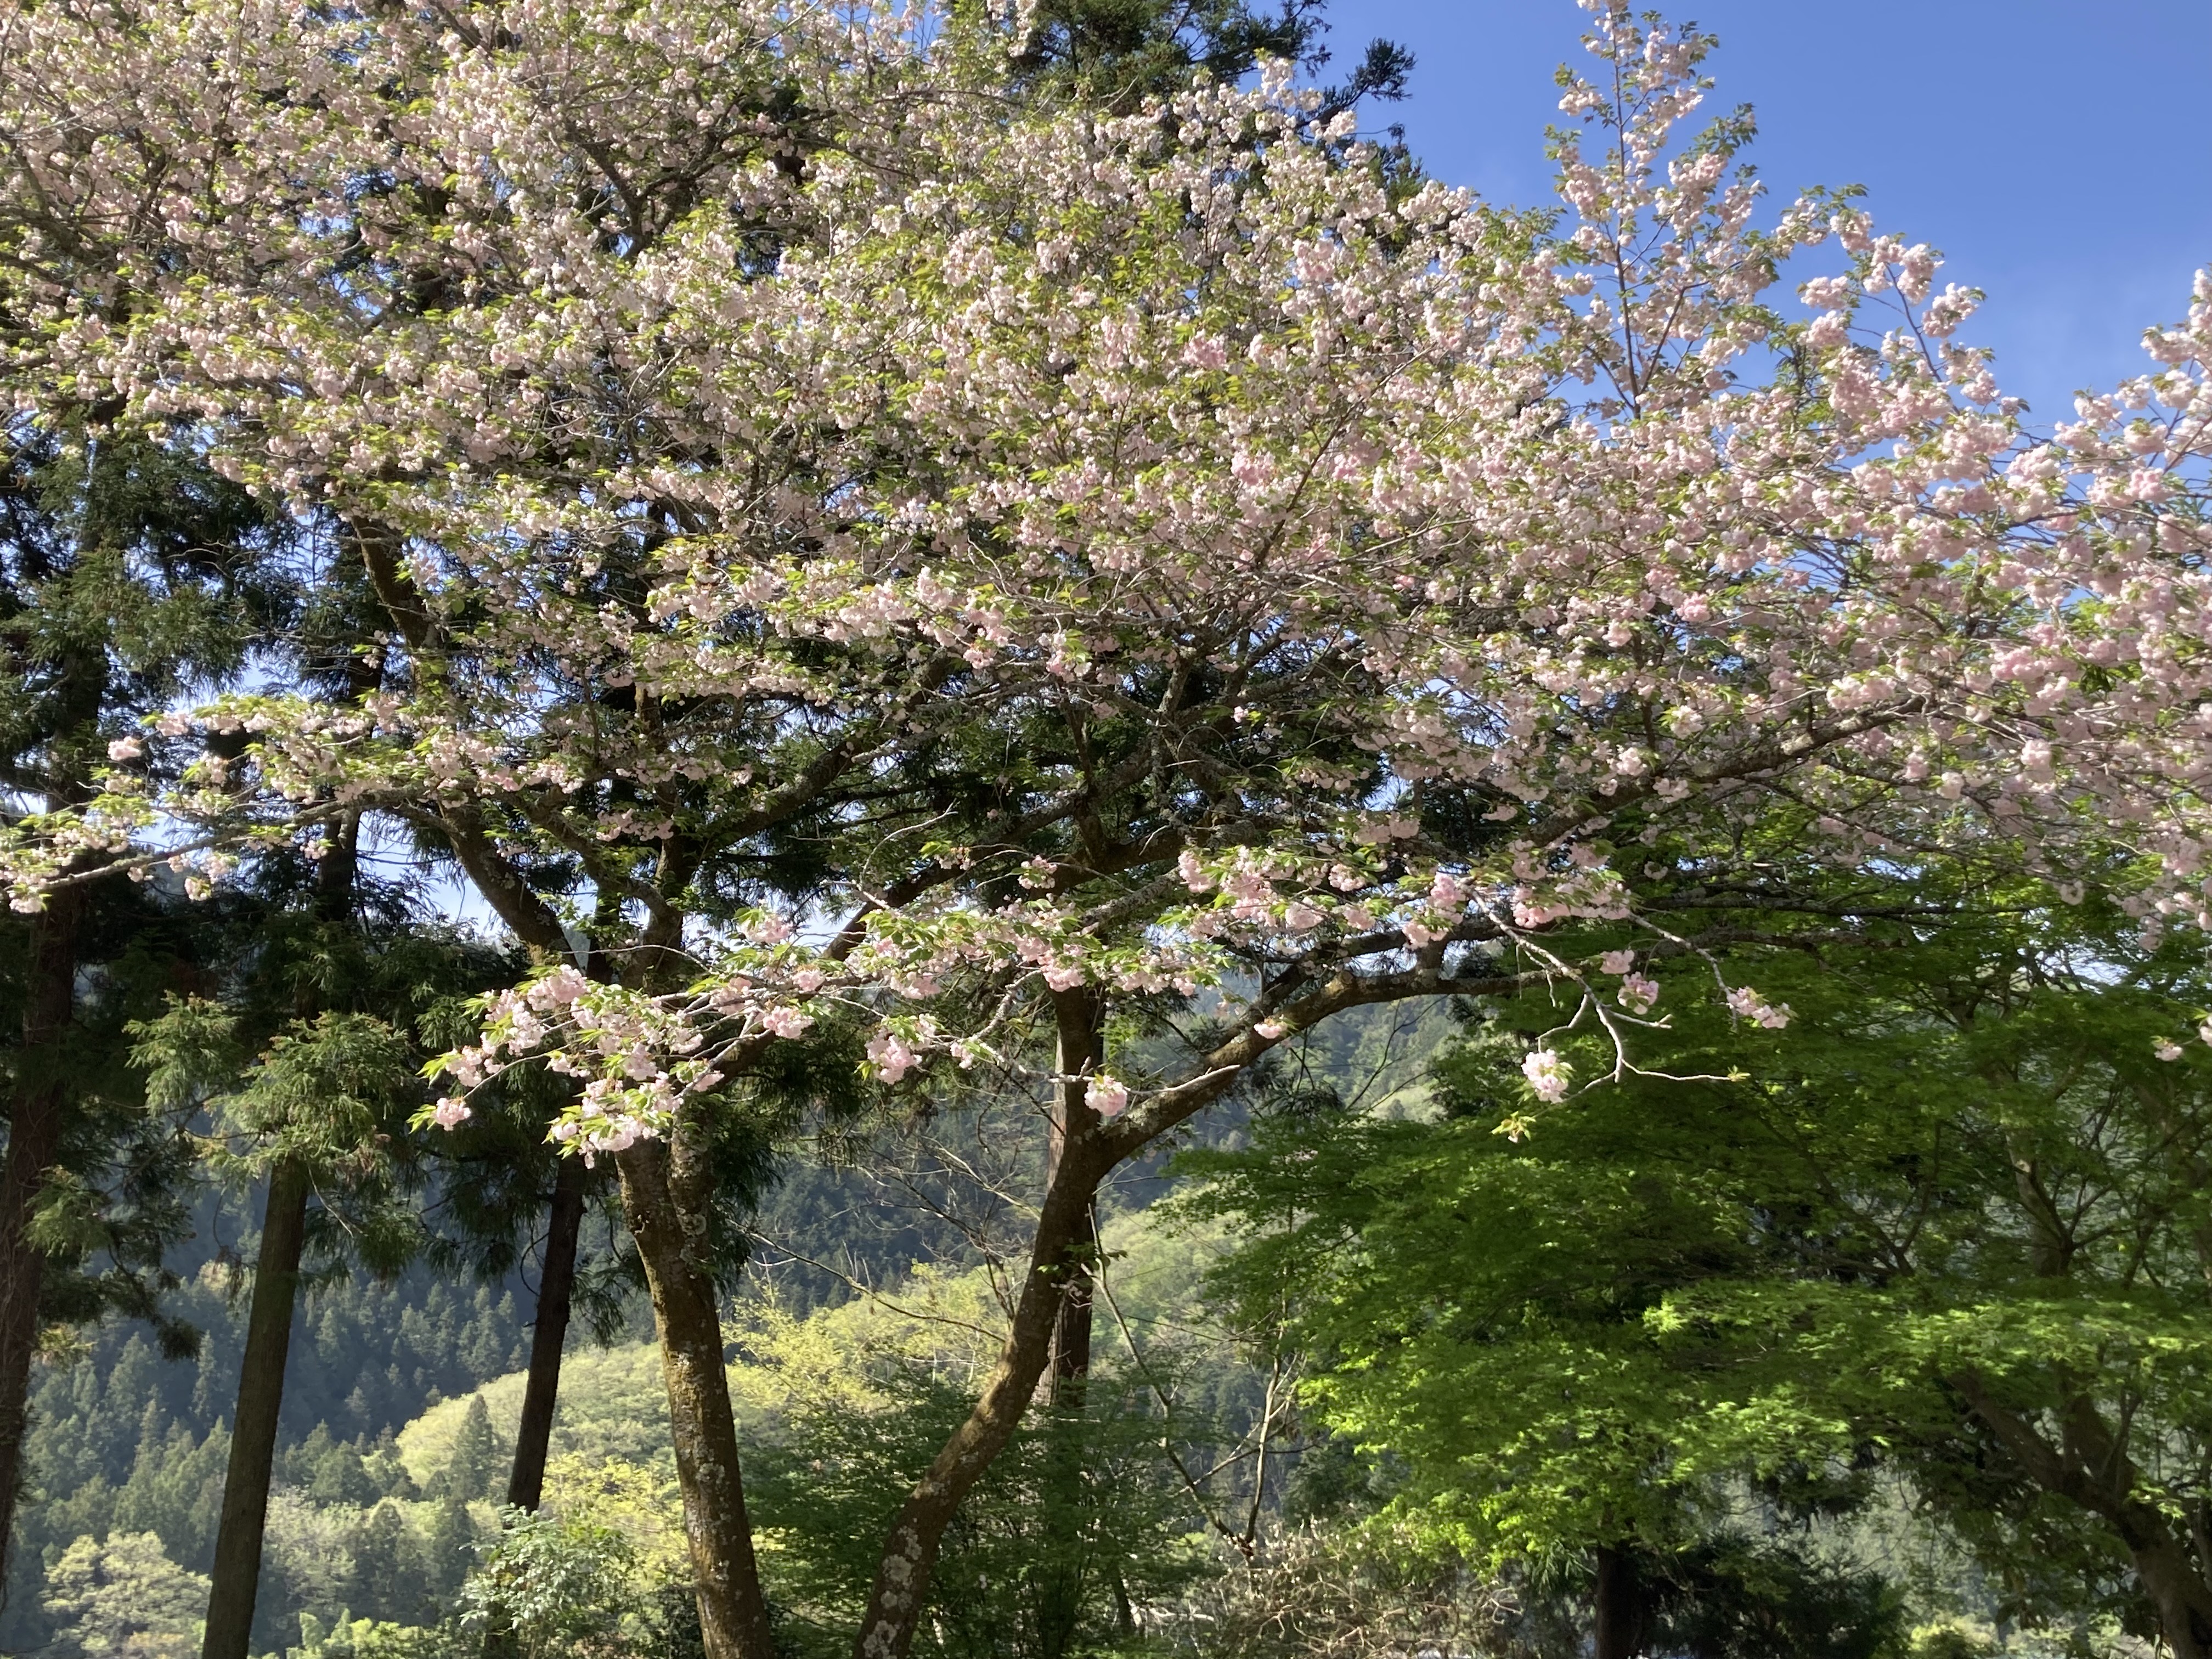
1548 1074
1106 1096
1747 1003
786 1022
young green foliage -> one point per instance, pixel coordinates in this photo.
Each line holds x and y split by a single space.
1951 1221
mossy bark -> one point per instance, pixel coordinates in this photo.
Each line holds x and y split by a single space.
663 1195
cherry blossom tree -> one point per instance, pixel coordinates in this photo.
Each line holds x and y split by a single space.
859 556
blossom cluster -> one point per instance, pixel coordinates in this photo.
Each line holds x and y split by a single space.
1299 504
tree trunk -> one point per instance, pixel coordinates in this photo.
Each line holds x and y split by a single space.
910 1548
541 1390
1619 1621
1079 1016
2176 1584
656 1176
2177 1587
910 1552
557 1283
235 1578
35 1142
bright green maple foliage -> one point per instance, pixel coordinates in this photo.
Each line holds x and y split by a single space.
1953 1218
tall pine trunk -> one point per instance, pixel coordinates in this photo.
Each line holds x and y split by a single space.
556 1288
35 1120
556 1284
39 1111
663 1194
1619 1599
541 1388
1078 1018
235 1578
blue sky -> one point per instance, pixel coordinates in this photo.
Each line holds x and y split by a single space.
2059 154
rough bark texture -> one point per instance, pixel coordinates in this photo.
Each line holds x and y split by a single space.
236 1575
1618 1632
733 1621
1080 1019
34 1141
557 1283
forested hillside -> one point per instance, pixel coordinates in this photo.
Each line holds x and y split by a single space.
383 1380
380 1509
127 1443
